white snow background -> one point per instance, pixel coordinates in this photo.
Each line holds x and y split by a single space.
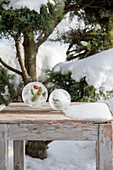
98 69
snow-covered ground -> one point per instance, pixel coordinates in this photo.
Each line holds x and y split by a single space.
63 155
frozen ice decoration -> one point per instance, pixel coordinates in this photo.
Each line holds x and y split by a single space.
2 106
34 94
59 99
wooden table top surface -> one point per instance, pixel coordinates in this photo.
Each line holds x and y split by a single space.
21 113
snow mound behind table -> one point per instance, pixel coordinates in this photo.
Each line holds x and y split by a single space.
89 111
98 69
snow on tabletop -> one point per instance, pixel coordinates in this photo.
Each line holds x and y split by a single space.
89 111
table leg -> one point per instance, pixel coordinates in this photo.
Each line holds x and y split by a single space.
104 147
112 145
19 155
3 148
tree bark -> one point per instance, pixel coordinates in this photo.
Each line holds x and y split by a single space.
30 52
37 149
25 74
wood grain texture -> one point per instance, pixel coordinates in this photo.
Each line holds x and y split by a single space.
3 148
53 131
17 107
22 108
19 155
42 118
21 113
104 147
112 143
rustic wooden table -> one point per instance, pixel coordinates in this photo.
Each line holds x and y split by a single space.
19 122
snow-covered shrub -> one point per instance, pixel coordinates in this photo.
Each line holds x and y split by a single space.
79 91
7 92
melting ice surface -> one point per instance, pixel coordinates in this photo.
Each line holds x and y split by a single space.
59 99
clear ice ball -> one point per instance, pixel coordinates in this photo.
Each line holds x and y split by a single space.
34 94
2 106
59 99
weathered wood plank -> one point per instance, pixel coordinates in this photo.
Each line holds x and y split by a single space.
19 155
53 131
41 118
21 113
7 156
3 148
20 107
112 145
104 148
17 118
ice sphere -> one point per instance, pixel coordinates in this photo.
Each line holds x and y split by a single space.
59 99
2 106
34 94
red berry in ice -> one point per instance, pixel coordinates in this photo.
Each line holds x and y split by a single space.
36 87
39 92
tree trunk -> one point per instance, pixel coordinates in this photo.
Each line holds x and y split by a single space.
30 52
25 75
36 149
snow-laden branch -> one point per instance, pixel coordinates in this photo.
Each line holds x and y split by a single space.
10 68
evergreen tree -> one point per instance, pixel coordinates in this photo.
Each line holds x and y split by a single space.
84 43
79 91
34 28
96 33
7 92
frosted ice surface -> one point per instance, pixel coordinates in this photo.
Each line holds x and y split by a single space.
59 99
34 94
